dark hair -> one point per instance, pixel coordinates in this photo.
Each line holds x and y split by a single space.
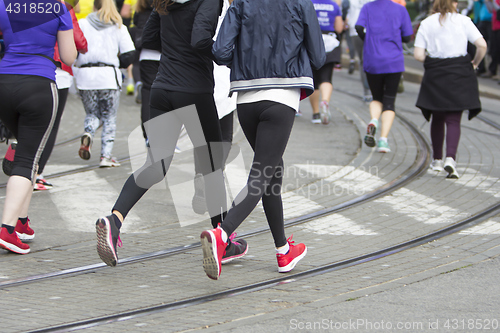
161 6
443 7
143 5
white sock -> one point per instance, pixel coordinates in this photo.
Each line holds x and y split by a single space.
223 235
283 249
382 139
374 121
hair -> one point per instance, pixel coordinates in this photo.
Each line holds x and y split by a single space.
106 9
142 5
443 7
161 6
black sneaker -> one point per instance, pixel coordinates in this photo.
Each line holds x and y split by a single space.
316 118
235 249
352 67
108 237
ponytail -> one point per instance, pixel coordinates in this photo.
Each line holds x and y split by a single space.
161 6
106 9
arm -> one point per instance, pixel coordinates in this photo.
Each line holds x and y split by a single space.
419 53
313 39
126 48
361 31
481 48
67 48
205 23
339 24
151 38
126 11
224 45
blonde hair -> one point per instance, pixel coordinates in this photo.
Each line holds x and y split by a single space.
106 9
443 7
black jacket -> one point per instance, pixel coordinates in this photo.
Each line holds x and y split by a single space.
270 44
184 37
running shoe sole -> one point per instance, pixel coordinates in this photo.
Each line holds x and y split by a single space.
210 260
370 136
384 150
105 247
236 256
291 265
84 151
12 247
452 172
25 237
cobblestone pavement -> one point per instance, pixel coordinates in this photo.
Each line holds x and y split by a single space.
452 278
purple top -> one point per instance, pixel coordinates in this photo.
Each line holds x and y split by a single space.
31 26
327 11
385 23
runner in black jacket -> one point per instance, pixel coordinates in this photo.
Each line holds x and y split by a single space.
181 94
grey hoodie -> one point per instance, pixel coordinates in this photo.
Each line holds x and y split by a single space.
94 20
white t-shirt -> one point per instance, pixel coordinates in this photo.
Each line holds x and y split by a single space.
289 96
449 39
103 46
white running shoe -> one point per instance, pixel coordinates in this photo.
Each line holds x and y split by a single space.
451 167
437 165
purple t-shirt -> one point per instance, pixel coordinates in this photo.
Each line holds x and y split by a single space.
327 11
31 26
385 23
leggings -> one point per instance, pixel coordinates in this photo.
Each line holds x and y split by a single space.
101 106
28 109
384 88
148 69
450 119
267 126
63 96
169 111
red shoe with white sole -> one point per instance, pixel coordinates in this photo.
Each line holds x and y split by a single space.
214 249
11 242
24 231
286 262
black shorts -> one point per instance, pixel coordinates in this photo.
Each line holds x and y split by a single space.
29 108
324 74
384 88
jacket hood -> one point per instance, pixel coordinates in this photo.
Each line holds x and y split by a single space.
96 22
176 4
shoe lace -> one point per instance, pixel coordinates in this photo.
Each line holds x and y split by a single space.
232 237
290 241
119 242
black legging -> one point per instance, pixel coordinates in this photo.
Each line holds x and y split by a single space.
148 69
28 109
267 126
384 88
49 146
202 125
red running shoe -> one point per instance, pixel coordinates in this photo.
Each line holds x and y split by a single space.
213 250
286 262
24 231
12 243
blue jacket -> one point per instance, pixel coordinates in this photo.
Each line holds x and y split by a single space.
270 44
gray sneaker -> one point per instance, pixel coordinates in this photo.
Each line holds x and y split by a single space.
324 112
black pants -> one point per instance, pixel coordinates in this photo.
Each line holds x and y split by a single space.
49 146
267 126
28 109
169 111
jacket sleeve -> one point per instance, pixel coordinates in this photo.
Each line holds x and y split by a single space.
151 34
313 39
205 23
224 45
80 40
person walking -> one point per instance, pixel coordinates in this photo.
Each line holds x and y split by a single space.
270 67
449 84
182 94
331 23
98 78
383 25
29 105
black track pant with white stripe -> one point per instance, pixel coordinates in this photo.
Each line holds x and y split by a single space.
28 106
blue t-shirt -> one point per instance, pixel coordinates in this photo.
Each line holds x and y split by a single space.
31 26
327 11
385 23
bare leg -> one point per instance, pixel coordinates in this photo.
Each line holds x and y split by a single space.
17 199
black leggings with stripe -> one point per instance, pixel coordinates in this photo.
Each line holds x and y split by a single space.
28 109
